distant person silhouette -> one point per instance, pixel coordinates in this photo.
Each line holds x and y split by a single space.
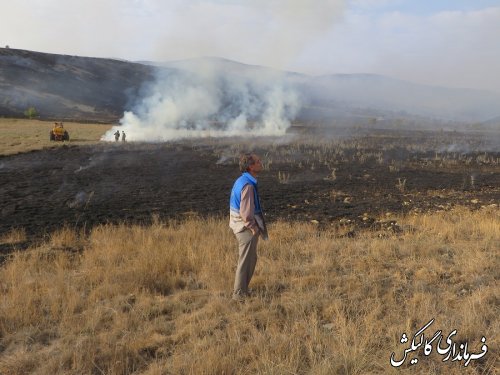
117 136
123 136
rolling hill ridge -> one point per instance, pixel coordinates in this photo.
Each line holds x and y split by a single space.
97 89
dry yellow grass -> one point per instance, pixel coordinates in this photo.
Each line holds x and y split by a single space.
21 135
15 235
155 299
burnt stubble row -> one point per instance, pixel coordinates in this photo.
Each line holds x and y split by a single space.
356 179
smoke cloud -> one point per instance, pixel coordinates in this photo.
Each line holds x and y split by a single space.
206 101
213 97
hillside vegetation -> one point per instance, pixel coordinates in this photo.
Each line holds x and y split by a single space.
68 87
156 299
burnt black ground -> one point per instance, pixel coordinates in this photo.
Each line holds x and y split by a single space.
112 183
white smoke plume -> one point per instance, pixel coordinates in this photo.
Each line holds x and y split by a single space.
213 97
204 102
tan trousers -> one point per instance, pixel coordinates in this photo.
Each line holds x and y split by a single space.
247 246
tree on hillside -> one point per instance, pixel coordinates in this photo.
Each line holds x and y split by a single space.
31 112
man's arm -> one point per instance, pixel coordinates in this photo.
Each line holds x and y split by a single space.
247 208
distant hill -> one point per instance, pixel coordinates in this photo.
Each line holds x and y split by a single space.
385 93
338 94
70 87
217 64
84 88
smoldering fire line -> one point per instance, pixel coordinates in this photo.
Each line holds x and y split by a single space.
208 101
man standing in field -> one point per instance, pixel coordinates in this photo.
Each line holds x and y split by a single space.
117 136
246 219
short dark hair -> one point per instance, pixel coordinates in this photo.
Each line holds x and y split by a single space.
246 160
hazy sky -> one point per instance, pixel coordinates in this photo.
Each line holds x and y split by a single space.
441 42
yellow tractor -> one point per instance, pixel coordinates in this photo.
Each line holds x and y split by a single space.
58 133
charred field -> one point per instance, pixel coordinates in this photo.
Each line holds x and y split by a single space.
372 234
348 180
